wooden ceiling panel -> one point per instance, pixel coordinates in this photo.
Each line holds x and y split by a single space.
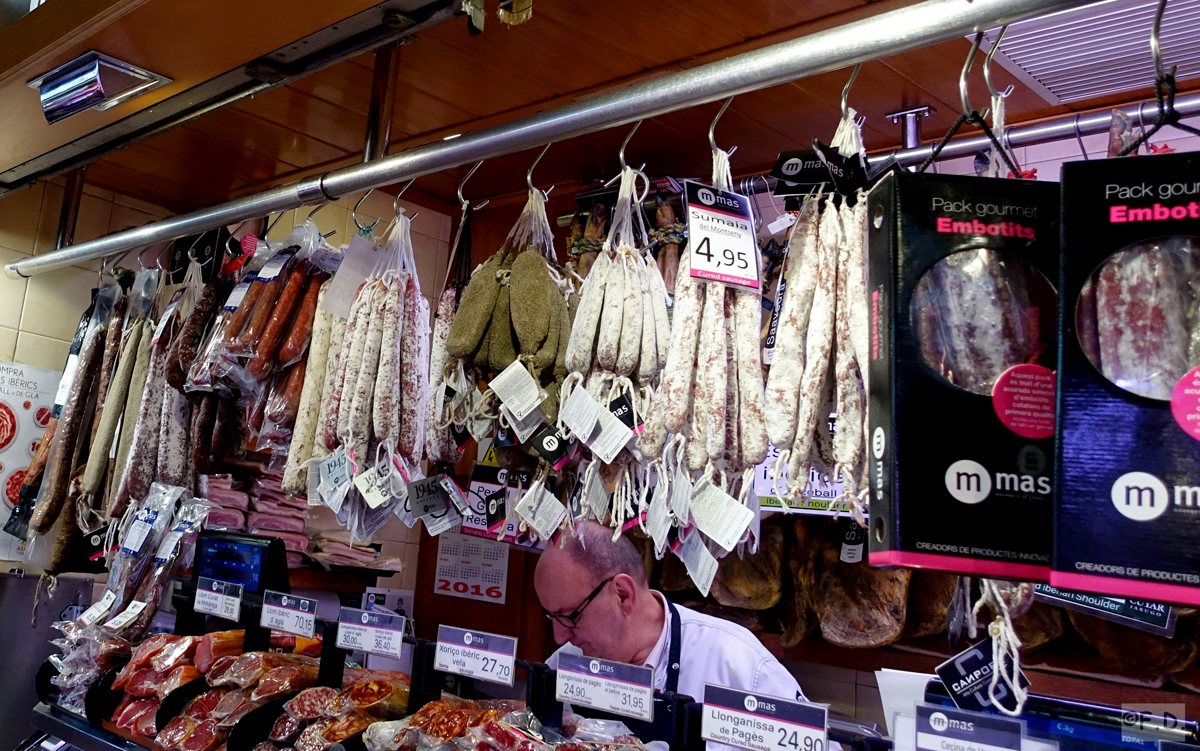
110 175
293 109
347 86
265 137
226 155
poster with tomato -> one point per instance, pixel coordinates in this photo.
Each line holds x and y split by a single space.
26 398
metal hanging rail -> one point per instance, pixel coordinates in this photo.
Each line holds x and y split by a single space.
889 33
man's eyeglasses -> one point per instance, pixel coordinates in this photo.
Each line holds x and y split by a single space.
571 620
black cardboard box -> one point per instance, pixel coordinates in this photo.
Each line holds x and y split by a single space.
1127 516
960 272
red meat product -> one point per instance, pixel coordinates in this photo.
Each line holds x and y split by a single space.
216 645
225 518
251 667
229 498
214 482
291 541
313 739
350 555
294 560
306 646
177 677
202 706
346 726
175 732
204 737
312 703
132 711
264 746
146 724
284 680
285 728
230 703
124 675
381 698
179 652
276 522
237 714
142 654
126 700
278 509
145 682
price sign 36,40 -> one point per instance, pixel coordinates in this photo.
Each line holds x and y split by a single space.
369 631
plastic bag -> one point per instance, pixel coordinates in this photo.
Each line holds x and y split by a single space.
248 669
311 703
380 698
282 405
284 680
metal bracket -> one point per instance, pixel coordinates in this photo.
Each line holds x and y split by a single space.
910 122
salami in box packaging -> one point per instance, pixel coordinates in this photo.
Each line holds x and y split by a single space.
1127 517
961 379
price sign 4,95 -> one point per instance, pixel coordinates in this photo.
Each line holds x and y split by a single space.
476 654
722 243
762 723
289 613
605 685
369 631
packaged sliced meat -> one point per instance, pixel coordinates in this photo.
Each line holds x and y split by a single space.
228 519
202 706
284 680
278 509
132 711
294 560
346 726
142 654
172 736
294 542
276 522
264 746
206 736
312 738
216 645
311 703
285 728
138 546
146 724
381 698
230 703
145 682
252 666
235 499
179 652
176 678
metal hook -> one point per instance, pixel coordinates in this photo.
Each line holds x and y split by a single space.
192 256
529 172
712 140
846 91
1079 136
271 226
354 214
396 200
141 257
463 182
621 152
313 213
1156 46
987 67
962 77
229 240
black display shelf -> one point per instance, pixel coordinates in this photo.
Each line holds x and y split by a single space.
77 732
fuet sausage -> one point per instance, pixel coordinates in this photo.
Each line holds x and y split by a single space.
662 324
417 407
114 343
712 368
106 426
304 431
732 445
438 444
200 435
631 316
410 380
354 355
337 336
302 325
331 412
608 346
186 344
133 404
173 454
676 382
387 378
697 446
363 389
281 315
647 366
752 403
587 318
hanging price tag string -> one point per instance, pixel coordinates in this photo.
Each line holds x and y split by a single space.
1006 646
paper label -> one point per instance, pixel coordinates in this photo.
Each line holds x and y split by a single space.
759 722
371 631
99 608
776 313
135 537
681 497
517 390
941 728
435 524
374 486
1185 403
798 172
166 548
555 449
700 563
782 222
334 471
219 598
658 517
461 504
721 238
541 511
275 265
64 383
614 436
427 496
496 510
473 568
526 426
598 496
239 293
126 617
1154 617
1023 398
289 613
968 676
616 687
356 266
476 654
478 427
580 413
852 543
622 408
719 516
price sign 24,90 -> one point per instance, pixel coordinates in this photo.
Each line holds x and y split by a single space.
605 685
762 723
369 631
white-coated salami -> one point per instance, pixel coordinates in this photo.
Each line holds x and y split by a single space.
608 344
847 441
337 335
587 316
751 400
712 370
787 368
363 389
732 443
631 316
676 381
354 334
439 446
422 370
304 432
647 365
410 380
658 304
387 376
654 435
697 447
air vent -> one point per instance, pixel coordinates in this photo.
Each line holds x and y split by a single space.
1099 49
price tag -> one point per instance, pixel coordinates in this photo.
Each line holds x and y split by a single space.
616 687
719 516
275 265
461 504
782 222
373 486
98 609
517 390
580 413
541 511
335 470
215 597
721 237
700 563
941 728
762 723
427 496
289 613
126 617
476 654
370 631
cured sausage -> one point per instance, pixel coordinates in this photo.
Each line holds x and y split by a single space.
114 342
387 378
417 407
668 254
106 426
204 420
787 367
305 320
337 337
752 401
438 444
662 324
173 454
187 343
732 445
631 316
363 389
527 288
133 405
352 356
282 410
237 321
475 309
304 433
847 442
697 446
410 396
281 315
647 365
587 318
608 346
711 369
264 303
681 358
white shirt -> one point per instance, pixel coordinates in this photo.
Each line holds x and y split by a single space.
714 651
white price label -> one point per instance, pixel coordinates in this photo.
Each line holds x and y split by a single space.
126 617
289 613
68 378
758 722
541 510
720 516
580 413
335 470
476 654
614 436
721 239
373 632
215 597
98 609
517 390
373 486
700 563
435 524
616 687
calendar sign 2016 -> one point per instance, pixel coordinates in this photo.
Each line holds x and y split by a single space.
471 567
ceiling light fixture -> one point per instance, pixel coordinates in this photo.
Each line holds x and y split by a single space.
91 81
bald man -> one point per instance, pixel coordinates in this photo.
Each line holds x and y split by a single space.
601 605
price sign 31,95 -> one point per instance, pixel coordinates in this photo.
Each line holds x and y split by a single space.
369 631
475 654
289 613
722 243
605 685
762 723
